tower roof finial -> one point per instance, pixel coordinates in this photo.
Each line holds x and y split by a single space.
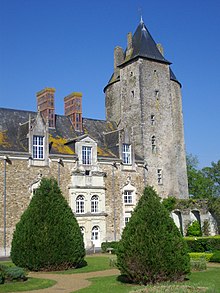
141 20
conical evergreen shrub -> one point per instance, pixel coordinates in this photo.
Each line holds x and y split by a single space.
48 237
151 248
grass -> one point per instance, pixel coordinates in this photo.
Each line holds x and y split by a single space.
94 264
30 284
209 279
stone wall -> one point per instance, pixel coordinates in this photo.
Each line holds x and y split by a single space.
20 177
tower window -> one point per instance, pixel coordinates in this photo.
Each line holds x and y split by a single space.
152 119
153 144
159 176
38 147
157 94
132 94
126 153
87 155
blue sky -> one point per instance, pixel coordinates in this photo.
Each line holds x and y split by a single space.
68 45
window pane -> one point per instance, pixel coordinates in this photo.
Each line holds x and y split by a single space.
86 155
126 154
38 147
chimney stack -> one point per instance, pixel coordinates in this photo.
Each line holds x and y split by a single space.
45 105
73 109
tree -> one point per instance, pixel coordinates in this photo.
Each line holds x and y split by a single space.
213 174
151 248
47 237
200 185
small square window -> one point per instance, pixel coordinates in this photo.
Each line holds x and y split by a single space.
159 176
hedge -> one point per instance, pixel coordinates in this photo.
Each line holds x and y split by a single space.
203 244
111 244
199 255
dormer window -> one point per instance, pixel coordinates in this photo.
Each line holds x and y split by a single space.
38 147
126 153
86 155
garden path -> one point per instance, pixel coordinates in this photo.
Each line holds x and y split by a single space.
67 283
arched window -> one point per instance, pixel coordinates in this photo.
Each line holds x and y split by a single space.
94 204
153 143
95 237
80 204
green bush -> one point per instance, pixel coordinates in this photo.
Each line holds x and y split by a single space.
198 264
203 244
215 257
112 244
151 248
15 274
194 229
2 277
198 255
48 236
170 203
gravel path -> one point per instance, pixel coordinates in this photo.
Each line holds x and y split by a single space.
69 283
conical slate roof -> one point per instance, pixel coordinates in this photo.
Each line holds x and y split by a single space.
144 45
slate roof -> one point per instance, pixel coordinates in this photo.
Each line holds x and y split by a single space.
173 77
14 125
144 46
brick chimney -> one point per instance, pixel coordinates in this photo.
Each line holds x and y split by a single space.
45 105
73 109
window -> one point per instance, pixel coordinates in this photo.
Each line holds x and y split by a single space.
94 204
95 233
128 197
152 119
80 204
127 220
126 154
157 94
159 176
38 147
153 144
86 155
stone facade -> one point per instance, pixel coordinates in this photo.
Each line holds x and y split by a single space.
101 166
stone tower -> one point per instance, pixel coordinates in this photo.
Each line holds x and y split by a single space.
143 97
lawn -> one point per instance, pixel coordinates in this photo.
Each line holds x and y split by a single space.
209 279
30 284
94 263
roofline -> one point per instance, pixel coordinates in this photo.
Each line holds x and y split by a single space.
143 57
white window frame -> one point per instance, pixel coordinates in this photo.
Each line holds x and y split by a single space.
128 197
86 155
80 204
38 147
127 219
126 154
94 204
95 233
